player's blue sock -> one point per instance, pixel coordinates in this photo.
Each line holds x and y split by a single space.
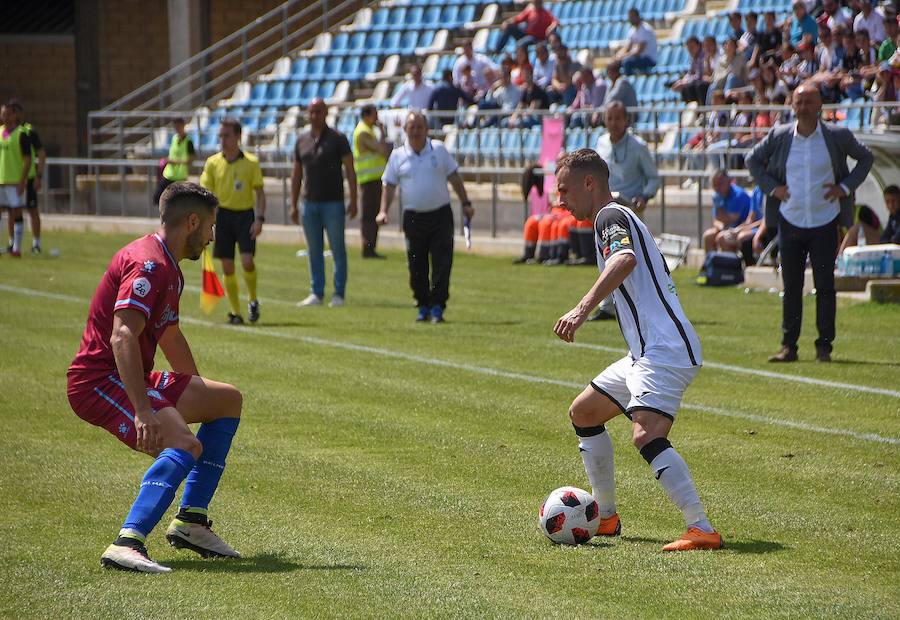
201 483
158 490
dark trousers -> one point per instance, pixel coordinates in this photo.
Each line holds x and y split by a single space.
371 202
429 236
821 245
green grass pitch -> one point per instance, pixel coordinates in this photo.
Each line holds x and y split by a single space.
389 469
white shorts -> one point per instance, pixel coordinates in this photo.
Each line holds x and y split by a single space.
643 384
10 197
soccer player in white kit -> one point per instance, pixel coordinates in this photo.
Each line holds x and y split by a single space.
664 352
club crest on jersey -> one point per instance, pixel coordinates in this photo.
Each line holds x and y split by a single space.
141 287
123 429
611 231
149 266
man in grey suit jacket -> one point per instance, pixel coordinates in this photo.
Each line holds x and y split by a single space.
802 168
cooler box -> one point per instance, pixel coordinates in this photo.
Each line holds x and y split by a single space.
881 260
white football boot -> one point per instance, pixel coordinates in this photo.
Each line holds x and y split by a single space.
122 557
200 538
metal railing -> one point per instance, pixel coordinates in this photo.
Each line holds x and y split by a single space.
210 74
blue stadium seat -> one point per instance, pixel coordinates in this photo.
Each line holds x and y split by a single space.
299 67
408 42
350 68
375 42
379 19
292 93
390 44
397 18
325 90
258 94
432 18
415 18
290 140
316 68
333 65
339 42
275 94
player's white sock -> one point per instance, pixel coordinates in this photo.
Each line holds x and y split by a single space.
597 454
672 473
18 232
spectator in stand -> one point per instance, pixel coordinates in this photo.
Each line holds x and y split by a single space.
533 24
827 53
774 87
891 233
467 85
867 224
414 91
620 89
730 69
692 86
889 45
735 20
849 77
731 206
883 90
562 90
747 41
769 40
802 66
591 94
444 100
710 53
640 51
554 42
833 15
803 25
543 66
802 168
864 43
517 74
484 72
503 96
533 98
870 21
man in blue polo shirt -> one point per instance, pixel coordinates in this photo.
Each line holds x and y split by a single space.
731 205
802 24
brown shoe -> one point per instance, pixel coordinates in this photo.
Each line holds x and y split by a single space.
786 354
822 354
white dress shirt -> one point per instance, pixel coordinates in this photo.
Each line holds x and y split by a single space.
642 33
422 176
808 171
416 96
478 63
874 24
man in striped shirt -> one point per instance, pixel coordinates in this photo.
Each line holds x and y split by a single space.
664 352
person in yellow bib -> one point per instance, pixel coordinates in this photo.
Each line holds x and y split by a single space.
15 164
370 153
178 163
236 179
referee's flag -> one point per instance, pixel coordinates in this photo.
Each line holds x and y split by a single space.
212 290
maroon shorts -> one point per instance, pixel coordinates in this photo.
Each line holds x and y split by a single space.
104 403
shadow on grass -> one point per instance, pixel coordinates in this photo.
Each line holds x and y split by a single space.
264 563
285 324
849 362
737 546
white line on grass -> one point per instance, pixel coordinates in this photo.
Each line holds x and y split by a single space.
763 373
494 372
768 374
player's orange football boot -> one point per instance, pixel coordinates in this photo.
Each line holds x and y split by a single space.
694 539
610 526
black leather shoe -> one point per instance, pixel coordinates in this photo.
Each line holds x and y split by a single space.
822 354
786 354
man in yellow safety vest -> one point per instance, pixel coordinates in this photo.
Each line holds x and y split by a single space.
370 152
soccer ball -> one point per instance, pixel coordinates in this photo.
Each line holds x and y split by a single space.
569 516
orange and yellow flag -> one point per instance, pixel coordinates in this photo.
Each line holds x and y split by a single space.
212 290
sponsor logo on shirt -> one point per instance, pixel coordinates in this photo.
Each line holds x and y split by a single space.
168 316
141 287
611 231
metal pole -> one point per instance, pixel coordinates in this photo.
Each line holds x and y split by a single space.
71 190
150 192
123 189
324 15
699 211
494 207
244 55
662 204
284 29
97 190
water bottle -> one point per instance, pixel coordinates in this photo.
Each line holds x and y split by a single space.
887 264
861 236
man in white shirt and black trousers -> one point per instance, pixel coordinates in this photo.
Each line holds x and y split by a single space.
422 168
802 168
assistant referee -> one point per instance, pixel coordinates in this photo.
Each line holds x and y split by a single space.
422 168
236 179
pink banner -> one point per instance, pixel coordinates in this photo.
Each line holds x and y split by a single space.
552 136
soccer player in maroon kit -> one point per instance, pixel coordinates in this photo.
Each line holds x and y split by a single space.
111 383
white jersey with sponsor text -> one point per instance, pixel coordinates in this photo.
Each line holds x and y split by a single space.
647 306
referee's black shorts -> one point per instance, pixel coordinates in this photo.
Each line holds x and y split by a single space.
233 227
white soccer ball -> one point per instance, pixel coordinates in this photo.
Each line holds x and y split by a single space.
569 516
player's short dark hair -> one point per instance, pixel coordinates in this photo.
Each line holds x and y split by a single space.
181 199
584 161
16 105
367 109
893 190
235 124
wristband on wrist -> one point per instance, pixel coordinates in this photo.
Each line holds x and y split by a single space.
261 218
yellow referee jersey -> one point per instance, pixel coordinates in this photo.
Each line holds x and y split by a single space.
234 183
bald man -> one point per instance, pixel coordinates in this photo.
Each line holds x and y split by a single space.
802 168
